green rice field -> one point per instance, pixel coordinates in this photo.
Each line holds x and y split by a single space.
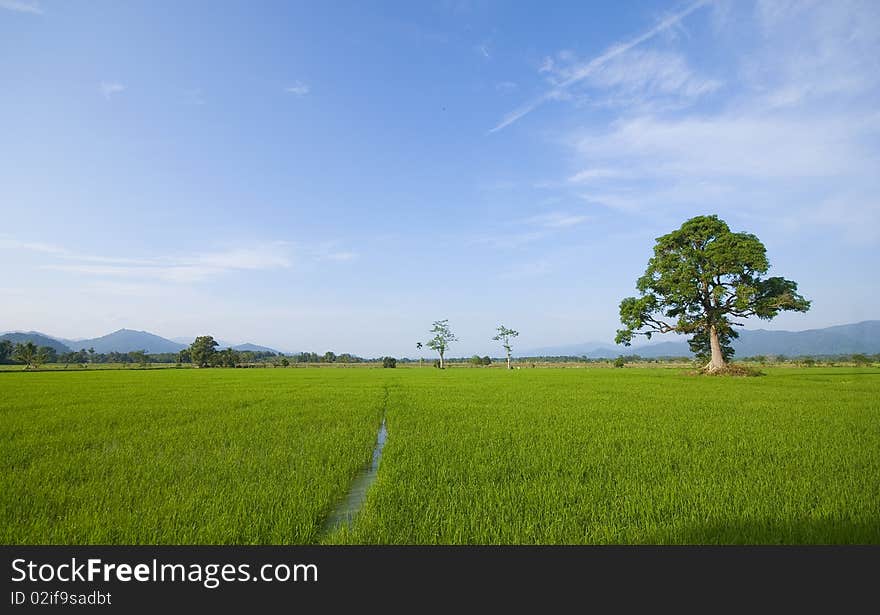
179 456
473 456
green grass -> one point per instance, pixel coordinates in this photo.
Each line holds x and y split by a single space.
473 456
75 367
179 456
628 456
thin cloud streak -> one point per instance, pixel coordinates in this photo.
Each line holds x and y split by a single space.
590 67
557 220
20 6
298 88
183 268
109 88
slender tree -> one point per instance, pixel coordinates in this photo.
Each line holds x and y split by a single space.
504 336
419 346
443 336
701 277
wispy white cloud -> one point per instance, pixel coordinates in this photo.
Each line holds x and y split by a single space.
109 88
298 88
166 273
585 69
9 243
595 174
793 141
734 144
22 6
557 220
184 268
812 51
650 78
263 256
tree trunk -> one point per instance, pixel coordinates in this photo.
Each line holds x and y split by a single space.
508 360
441 360
717 363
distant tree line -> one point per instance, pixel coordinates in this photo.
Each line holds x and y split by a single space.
32 356
823 360
28 353
203 352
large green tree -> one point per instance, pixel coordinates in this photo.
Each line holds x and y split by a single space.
202 350
443 336
701 278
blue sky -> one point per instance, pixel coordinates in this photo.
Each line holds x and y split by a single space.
337 177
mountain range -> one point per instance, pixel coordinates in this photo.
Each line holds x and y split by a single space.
123 340
39 339
861 337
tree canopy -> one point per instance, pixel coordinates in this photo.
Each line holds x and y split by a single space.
202 350
702 277
30 354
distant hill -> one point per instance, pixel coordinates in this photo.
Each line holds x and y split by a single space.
221 344
126 340
188 340
678 348
588 349
254 348
863 337
39 339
